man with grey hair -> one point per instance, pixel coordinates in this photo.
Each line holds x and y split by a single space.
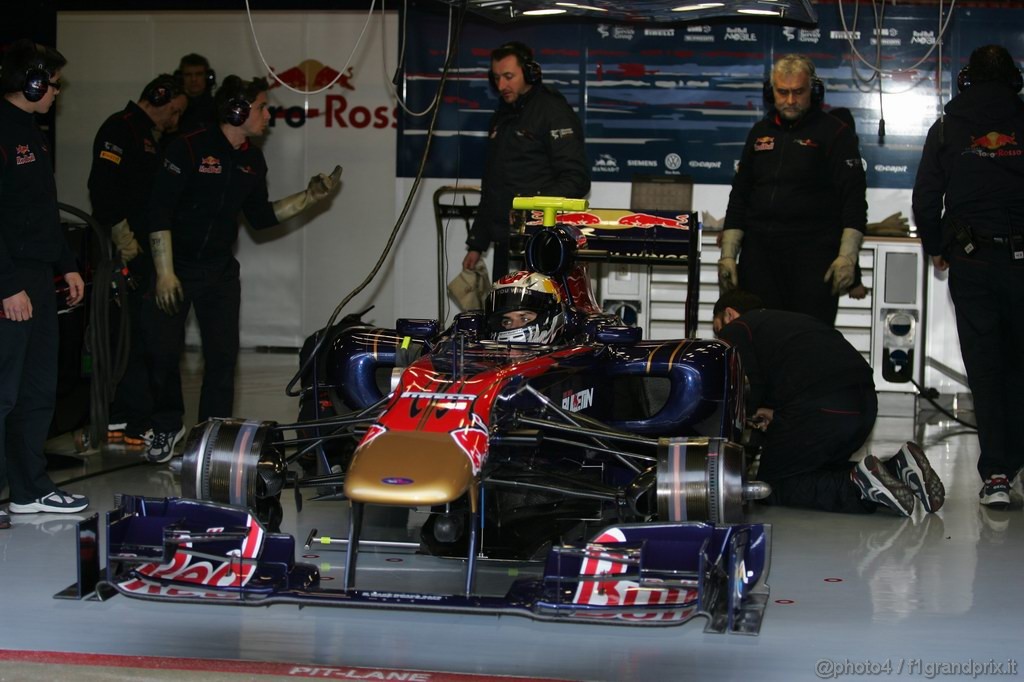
797 208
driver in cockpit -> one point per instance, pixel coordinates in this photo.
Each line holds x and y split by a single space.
525 307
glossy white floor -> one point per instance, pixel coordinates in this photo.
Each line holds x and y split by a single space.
850 595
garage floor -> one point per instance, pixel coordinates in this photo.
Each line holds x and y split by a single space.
850 596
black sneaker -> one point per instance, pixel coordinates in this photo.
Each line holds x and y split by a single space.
57 502
915 471
878 485
994 493
5 519
161 448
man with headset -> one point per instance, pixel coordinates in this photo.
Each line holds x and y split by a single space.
536 148
32 251
969 210
208 177
197 80
125 160
797 205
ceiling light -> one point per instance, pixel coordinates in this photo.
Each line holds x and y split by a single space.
542 12
698 6
760 12
584 7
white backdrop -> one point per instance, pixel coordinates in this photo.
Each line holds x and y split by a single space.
293 275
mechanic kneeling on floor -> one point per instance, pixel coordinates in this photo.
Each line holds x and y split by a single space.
815 405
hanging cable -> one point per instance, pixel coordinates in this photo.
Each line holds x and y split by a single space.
853 48
341 71
390 83
324 333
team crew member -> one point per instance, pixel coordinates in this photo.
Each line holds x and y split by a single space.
973 166
125 160
797 204
198 81
32 251
208 177
536 148
815 402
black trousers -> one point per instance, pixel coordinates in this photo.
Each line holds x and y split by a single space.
806 451
133 400
787 270
987 289
214 291
501 260
28 387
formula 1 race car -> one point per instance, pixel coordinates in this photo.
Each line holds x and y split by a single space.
609 464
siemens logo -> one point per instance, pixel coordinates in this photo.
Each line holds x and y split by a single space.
645 163
705 164
883 168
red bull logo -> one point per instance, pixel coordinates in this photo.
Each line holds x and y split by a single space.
210 164
473 440
764 144
24 154
680 222
312 75
994 144
994 140
570 218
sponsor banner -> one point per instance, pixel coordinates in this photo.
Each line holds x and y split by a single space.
681 99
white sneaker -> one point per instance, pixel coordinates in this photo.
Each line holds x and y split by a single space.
57 502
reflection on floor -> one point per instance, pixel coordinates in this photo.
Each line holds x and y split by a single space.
848 593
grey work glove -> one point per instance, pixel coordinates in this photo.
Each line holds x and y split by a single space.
320 186
728 277
841 272
169 293
124 239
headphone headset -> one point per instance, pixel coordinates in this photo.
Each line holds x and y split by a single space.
817 93
162 91
1015 81
37 82
531 70
232 106
236 110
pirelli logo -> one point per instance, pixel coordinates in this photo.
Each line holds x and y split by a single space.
110 156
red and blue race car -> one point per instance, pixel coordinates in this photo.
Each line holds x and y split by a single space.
607 465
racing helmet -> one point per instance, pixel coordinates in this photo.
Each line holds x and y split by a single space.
525 291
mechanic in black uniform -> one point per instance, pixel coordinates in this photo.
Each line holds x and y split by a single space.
815 403
536 149
973 164
797 204
32 251
125 159
198 80
208 177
